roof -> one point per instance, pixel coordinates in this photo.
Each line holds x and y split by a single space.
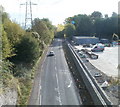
81 37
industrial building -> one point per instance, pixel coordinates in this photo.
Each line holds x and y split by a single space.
79 40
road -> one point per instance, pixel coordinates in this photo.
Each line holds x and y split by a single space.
56 84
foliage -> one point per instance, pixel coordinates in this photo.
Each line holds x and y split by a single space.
44 28
25 87
84 26
59 31
27 50
96 15
6 47
21 71
14 32
8 80
59 34
20 49
95 24
60 27
69 30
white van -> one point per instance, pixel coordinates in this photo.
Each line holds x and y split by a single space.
98 48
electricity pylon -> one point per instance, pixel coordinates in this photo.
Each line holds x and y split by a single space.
28 13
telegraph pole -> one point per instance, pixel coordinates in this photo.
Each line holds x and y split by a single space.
28 13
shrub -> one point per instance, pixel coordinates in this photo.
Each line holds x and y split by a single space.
27 50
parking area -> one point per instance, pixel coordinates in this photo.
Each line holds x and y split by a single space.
107 61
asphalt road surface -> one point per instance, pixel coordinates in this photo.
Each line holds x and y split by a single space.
56 84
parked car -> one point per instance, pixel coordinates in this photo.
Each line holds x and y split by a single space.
98 48
51 53
87 45
97 75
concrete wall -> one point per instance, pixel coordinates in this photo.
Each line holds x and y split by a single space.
9 97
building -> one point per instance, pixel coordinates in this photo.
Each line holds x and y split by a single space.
79 40
104 41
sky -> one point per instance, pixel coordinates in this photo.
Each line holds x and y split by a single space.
58 10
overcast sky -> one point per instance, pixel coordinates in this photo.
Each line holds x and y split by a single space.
58 10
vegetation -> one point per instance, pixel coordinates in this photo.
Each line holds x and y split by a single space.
44 28
20 51
92 25
59 31
69 30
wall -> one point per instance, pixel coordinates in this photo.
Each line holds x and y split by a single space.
9 97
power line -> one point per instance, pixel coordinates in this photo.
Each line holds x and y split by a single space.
28 13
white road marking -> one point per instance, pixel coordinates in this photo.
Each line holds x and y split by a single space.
55 68
39 95
59 99
70 84
40 99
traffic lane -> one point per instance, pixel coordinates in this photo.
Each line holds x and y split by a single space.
50 94
48 83
69 96
56 88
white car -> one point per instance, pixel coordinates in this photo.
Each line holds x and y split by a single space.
51 53
97 75
98 48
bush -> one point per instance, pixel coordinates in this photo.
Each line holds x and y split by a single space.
27 50
25 87
21 71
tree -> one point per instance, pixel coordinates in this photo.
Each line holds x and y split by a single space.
14 32
114 14
6 47
106 16
98 27
69 30
44 29
96 14
95 24
59 31
60 27
85 25
27 50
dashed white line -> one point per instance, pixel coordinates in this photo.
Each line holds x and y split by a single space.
55 68
40 99
39 95
59 99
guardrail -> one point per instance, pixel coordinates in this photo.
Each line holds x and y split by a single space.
98 95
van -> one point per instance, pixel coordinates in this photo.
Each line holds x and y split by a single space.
98 48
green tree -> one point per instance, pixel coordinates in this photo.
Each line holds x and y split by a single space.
96 15
44 28
6 47
59 31
69 30
27 50
14 31
84 26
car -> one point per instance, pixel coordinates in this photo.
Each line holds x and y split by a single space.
87 45
97 75
51 53
98 48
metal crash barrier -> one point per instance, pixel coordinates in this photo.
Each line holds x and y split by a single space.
98 95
